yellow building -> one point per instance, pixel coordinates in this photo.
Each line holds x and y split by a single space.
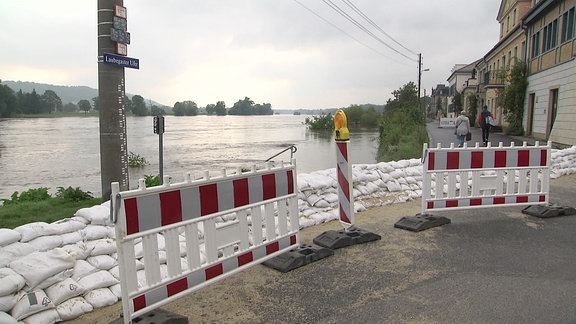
511 46
550 104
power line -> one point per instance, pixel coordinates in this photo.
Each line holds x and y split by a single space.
359 12
359 25
347 34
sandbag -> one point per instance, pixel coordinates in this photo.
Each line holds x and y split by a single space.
8 236
99 279
64 290
101 297
45 243
49 316
73 308
82 269
10 282
6 318
102 262
31 231
7 302
38 266
31 303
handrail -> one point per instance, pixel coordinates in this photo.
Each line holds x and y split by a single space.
292 149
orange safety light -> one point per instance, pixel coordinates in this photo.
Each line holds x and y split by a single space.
341 132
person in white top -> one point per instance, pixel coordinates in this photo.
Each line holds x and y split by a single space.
462 128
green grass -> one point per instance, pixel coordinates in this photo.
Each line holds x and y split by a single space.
49 210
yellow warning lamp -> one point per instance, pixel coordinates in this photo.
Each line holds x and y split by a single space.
341 132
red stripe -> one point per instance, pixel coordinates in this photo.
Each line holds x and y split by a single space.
241 192
523 158
245 258
208 199
290 182
499 159
543 158
272 247
214 271
498 201
131 208
170 207
542 198
177 286
268 186
453 160
292 239
477 160
342 148
139 302
431 157
430 205
521 199
475 201
451 203
343 216
343 183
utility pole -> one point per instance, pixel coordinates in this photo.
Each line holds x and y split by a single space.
419 76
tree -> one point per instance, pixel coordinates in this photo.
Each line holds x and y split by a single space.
185 108
370 117
473 104
157 111
210 109
242 107
52 101
511 97
84 105
96 103
70 107
403 127
8 101
220 108
354 114
457 101
139 106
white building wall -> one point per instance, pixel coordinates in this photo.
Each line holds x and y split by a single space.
563 78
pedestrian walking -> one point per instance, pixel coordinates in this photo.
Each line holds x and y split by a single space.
462 128
485 120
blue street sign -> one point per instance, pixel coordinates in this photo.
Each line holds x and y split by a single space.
123 61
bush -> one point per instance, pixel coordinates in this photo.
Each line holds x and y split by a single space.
136 161
37 194
73 194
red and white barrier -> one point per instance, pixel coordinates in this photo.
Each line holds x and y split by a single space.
472 177
345 193
210 229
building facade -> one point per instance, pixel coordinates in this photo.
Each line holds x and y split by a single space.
550 103
493 68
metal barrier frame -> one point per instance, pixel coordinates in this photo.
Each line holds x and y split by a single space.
479 177
261 209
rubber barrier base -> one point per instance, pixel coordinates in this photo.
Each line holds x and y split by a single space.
548 211
343 238
296 258
421 222
157 316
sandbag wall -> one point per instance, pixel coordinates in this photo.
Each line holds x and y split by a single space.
59 271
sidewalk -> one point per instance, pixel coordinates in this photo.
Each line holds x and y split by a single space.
446 136
493 265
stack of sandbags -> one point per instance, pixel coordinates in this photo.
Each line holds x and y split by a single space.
563 162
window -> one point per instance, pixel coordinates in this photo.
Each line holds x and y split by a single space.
567 25
536 44
516 52
550 36
514 20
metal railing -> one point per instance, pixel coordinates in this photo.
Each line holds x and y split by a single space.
292 149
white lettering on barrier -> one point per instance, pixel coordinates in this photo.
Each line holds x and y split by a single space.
474 177
447 122
261 209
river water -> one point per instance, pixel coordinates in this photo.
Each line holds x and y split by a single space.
62 152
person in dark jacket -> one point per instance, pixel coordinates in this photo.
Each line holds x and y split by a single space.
485 120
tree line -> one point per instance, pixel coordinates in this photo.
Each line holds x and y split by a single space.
24 103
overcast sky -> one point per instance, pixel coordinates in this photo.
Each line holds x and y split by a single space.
289 53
